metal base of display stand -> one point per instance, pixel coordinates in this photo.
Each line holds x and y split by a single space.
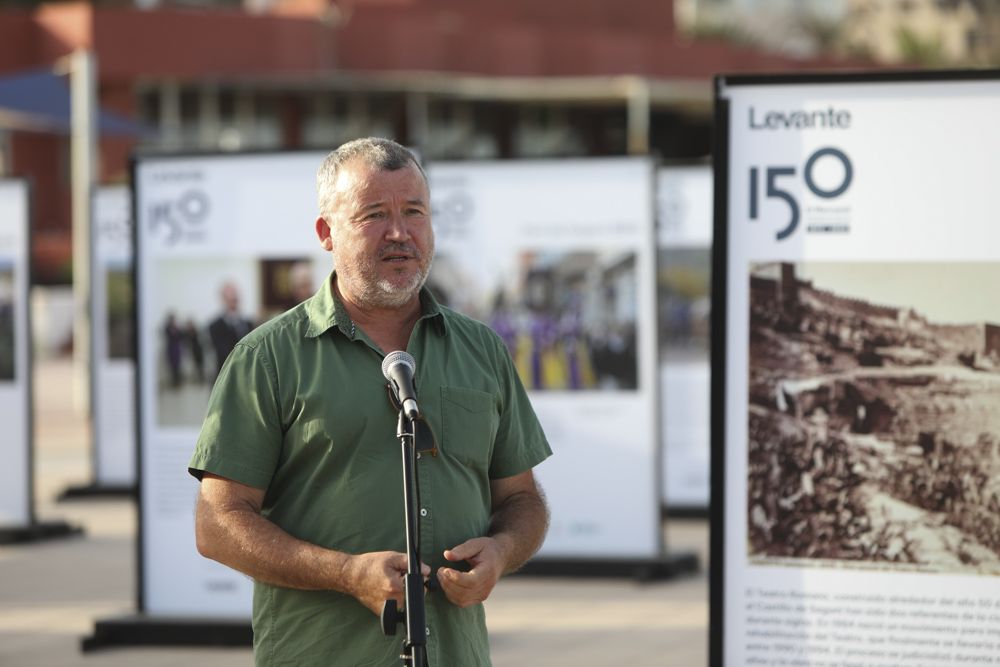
141 630
641 569
95 490
44 530
685 512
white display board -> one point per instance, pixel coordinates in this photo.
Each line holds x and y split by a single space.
203 224
112 320
15 367
857 496
558 257
576 237
684 266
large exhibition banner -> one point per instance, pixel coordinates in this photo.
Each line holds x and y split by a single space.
856 414
221 241
558 257
113 367
683 281
15 368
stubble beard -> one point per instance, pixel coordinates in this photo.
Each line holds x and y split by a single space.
374 291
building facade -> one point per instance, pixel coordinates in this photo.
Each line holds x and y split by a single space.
456 79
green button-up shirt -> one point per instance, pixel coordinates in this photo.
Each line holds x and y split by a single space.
300 409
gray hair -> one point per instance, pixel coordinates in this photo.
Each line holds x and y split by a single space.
377 152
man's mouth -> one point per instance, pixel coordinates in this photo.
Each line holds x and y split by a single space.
397 256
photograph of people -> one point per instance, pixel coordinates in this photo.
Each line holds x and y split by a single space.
229 326
198 328
297 446
568 319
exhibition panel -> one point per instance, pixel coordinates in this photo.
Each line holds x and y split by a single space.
856 370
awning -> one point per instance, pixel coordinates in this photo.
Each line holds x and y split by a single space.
39 101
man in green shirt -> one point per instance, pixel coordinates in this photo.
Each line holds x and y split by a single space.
301 481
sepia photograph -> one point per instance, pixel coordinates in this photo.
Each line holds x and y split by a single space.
205 307
874 416
8 351
567 318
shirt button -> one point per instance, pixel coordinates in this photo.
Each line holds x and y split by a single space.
428 632
423 512
418 455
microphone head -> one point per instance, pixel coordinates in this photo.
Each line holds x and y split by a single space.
398 357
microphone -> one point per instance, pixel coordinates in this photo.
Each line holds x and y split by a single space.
398 368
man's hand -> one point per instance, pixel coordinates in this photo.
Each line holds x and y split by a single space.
517 525
486 556
230 529
378 576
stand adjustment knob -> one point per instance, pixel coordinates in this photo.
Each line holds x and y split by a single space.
390 617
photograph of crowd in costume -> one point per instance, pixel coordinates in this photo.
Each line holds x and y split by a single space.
7 349
200 325
684 303
873 416
568 318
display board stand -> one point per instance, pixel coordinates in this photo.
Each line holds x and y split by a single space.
96 490
685 512
683 281
668 566
37 531
142 630
183 244
17 507
855 370
112 368
169 217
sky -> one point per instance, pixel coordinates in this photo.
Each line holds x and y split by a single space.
946 293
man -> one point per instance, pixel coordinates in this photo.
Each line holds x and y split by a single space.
301 474
226 329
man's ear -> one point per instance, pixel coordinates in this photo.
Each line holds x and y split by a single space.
323 232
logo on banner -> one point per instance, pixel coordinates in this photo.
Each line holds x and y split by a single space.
452 215
834 119
672 208
180 220
115 230
827 173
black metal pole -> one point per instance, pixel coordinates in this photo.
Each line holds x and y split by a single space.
415 646
416 624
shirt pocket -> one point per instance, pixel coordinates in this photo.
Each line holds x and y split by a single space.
469 424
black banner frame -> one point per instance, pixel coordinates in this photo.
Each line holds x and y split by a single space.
720 301
33 530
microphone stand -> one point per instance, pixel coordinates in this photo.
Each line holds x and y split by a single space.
414 435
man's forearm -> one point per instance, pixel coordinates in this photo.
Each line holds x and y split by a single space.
519 525
246 541
230 529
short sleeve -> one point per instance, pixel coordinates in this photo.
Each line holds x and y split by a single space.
520 442
241 436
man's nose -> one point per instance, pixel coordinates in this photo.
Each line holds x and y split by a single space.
396 227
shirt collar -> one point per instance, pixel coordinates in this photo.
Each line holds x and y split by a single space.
324 311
